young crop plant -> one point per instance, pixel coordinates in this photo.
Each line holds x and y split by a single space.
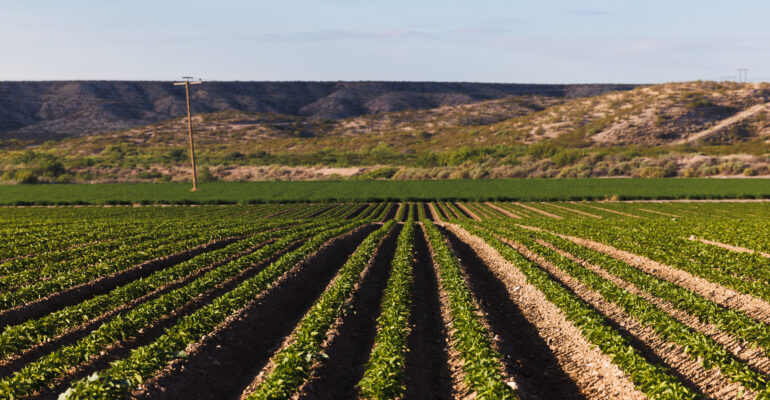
653 380
292 365
384 377
481 363
42 372
699 346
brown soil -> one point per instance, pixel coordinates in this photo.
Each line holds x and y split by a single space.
429 211
659 213
427 365
503 211
593 372
356 211
150 333
574 211
437 214
468 212
482 211
462 211
17 361
539 211
392 212
526 355
751 355
460 389
352 338
754 307
609 210
730 247
81 292
222 364
709 382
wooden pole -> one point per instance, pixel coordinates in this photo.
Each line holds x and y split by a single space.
187 84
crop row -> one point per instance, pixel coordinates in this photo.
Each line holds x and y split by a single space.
699 346
124 375
384 375
653 380
481 363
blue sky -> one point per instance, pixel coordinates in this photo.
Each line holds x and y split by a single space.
545 41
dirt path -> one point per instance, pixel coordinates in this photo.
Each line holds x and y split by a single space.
709 382
730 247
747 113
539 211
592 371
503 211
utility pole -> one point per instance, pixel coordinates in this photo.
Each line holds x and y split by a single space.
187 82
744 74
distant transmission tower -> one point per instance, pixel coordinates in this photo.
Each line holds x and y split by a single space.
743 74
187 82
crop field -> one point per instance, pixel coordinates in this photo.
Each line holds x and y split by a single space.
385 300
384 190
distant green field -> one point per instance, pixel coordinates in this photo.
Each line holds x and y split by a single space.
322 191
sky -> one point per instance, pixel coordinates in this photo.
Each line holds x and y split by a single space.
511 41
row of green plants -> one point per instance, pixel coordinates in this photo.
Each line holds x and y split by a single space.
733 322
384 376
16 338
657 241
69 278
128 373
700 347
47 369
653 380
292 365
481 363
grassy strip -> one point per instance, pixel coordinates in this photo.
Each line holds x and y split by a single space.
384 374
696 344
36 375
19 337
293 364
653 380
126 374
481 363
731 321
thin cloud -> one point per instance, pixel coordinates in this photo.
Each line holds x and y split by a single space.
589 13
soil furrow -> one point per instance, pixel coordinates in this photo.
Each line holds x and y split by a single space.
225 361
427 362
592 371
437 214
587 214
81 292
609 210
352 337
429 212
358 210
754 307
751 355
392 212
15 362
148 334
709 382
730 247
468 212
526 354
539 211
503 211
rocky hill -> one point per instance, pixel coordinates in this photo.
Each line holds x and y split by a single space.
58 109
